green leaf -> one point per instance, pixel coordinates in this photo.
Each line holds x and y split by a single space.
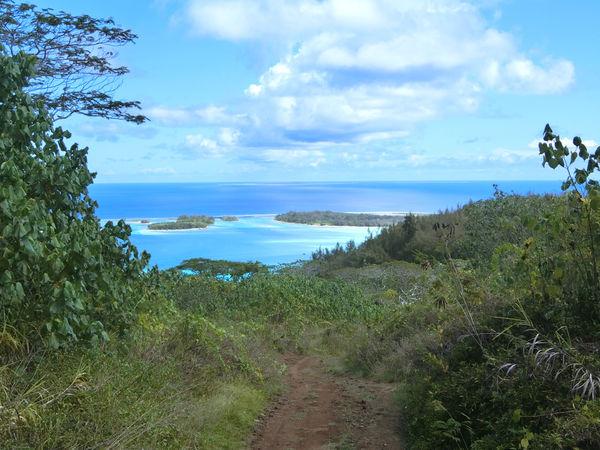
19 290
548 135
580 176
516 416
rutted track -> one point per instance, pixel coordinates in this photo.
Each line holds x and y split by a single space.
323 411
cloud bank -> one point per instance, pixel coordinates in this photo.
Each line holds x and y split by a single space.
356 71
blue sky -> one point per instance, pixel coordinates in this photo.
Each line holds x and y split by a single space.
331 90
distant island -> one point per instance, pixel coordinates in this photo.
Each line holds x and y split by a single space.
184 223
330 218
339 218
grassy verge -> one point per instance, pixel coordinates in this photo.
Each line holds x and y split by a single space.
191 385
198 369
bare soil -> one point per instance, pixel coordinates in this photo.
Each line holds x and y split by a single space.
320 410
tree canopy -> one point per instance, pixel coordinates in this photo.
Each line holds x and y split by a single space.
75 70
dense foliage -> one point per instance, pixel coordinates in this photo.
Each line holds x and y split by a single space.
180 381
501 351
63 277
183 223
196 373
339 218
473 231
286 298
220 268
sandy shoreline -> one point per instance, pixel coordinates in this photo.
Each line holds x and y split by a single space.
150 220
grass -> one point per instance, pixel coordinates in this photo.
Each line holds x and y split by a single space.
230 415
197 370
192 386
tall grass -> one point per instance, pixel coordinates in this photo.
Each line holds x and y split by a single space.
196 370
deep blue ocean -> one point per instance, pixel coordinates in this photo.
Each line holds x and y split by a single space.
257 236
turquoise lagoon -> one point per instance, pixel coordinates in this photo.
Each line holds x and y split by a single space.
257 236
251 238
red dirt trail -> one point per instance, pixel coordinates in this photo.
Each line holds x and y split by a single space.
322 411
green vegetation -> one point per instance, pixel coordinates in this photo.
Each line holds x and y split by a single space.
487 317
497 348
471 232
184 223
93 350
63 277
213 268
339 218
198 367
229 218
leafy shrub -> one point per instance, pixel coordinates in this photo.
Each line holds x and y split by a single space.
489 224
502 350
63 277
221 268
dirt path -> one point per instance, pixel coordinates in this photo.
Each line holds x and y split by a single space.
323 411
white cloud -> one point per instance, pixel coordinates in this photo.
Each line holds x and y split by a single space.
198 145
494 157
167 115
508 156
199 141
523 75
350 69
297 19
229 136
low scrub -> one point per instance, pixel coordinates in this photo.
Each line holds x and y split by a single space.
183 381
501 350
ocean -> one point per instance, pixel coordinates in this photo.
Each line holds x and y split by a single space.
257 236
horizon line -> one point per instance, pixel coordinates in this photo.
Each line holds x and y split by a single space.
557 180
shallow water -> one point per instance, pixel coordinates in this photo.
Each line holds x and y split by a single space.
257 236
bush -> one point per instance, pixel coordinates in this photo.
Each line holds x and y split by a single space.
502 350
63 277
